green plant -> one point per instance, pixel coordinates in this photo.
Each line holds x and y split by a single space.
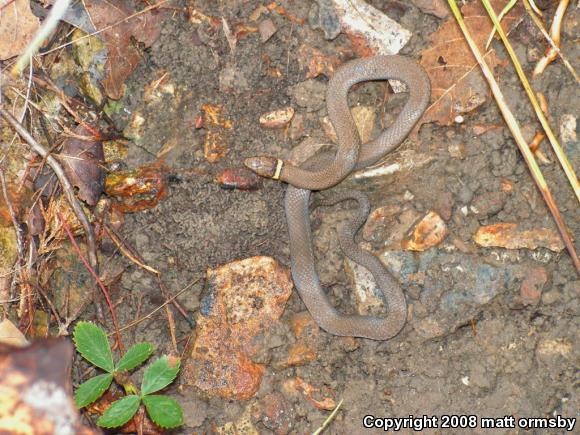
92 343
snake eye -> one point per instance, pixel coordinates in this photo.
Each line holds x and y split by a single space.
264 166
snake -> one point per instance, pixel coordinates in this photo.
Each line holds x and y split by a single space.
326 170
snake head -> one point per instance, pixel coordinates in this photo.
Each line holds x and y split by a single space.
264 166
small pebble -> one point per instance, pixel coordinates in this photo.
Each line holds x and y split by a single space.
267 29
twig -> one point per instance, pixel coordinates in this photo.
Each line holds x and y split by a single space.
147 316
517 134
562 158
127 251
68 192
502 14
555 28
56 13
97 279
540 26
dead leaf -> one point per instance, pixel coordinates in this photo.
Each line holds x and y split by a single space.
82 163
457 84
217 125
17 28
123 54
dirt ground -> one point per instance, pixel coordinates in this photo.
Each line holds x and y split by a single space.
491 355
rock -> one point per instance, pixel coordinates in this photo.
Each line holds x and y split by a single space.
242 425
371 30
305 149
231 79
457 151
309 94
488 204
364 118
402 264
275 413
244 300
380 222
238 178
369 298
277 118
325 18
465 194
533 285
510 236
444 205
437 8
194 411
547 348
428 232
305 348
296 130
457 293
315 63
569 136
266 29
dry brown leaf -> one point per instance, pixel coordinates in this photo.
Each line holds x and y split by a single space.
82 163
17 28
123 52
457 84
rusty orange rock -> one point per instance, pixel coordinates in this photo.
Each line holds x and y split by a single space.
510 236
243 300
427 233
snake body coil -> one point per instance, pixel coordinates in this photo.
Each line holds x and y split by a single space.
324 171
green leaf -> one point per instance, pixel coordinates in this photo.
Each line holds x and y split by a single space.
164 411
120 412
91 390
159 375
91 342
136 355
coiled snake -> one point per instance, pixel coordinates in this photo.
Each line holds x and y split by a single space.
326 170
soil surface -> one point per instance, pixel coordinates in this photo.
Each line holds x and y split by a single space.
492 355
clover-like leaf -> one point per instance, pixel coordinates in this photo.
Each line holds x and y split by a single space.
92 343
136 355
164 411
159 374
92 389
120 412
